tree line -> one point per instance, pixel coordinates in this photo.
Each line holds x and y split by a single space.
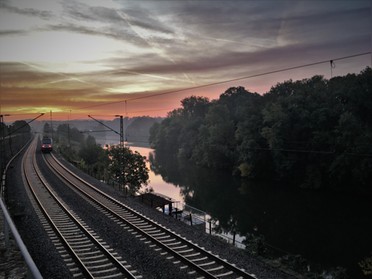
312 133
113 164
12 138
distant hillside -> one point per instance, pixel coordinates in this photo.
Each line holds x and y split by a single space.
138 131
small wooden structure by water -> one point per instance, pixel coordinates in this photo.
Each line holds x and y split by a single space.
157 200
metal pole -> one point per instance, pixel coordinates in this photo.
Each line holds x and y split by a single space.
122 144
68 135
51 124
29 261
125 110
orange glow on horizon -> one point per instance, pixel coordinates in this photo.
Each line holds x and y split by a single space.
88 57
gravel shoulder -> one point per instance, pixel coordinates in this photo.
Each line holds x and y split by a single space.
212 243
51 265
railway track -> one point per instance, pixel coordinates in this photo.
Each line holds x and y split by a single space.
85 254
189 256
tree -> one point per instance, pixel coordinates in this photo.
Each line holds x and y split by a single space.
310 133
215 145
20 126
91 152
3 129
47 129
128 168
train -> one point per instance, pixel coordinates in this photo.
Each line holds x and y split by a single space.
46 145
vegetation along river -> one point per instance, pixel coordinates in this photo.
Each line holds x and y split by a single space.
328 229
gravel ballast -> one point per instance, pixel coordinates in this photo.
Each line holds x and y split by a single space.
145 260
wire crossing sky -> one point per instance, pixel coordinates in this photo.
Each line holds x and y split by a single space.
89 56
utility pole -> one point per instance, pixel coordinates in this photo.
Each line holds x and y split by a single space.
122 146
68 131
51 124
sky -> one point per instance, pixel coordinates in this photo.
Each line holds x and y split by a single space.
103 58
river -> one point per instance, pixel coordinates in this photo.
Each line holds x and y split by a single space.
328 228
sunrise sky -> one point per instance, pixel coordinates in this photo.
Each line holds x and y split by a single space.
88 56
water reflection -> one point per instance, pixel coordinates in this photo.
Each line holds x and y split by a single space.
326 227
156 181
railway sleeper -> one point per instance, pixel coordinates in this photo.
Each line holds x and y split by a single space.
192 272
130 217
225 274
82 245
147 226
117 275
193 255
85 249
70 263
173 243
158 234
199 259
215 268
139 222
109 271
206 264
180 247
74 270
89 253
103 266
67 226
165 237
80 239
76 232
60 248
186 251
166 241
95 257
153 230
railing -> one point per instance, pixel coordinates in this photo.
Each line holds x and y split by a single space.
9 226
196 217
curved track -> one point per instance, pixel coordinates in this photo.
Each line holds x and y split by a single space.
190 257
83 251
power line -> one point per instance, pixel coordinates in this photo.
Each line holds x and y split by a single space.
234 79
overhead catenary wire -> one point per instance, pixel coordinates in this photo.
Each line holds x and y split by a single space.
232 80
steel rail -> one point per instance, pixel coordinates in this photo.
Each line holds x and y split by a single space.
83 266
69 249
199 268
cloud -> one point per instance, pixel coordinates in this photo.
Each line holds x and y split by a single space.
229 61
104 15
27 11
84 53
12 32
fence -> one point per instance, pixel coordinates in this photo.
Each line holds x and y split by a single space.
196 217
9 226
